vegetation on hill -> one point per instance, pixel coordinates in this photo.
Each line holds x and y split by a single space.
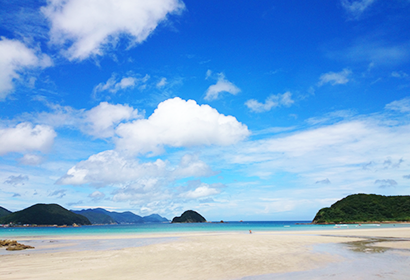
95 217
189 217
45 214
4 212
359 208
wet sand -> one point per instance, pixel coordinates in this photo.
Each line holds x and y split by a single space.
220 255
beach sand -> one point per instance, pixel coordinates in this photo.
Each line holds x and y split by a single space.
220 255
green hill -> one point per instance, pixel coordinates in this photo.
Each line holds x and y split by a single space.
4 212
45 214
359 208
189 217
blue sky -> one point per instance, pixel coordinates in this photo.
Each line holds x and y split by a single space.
241 110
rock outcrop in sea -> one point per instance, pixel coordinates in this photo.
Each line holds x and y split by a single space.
189 216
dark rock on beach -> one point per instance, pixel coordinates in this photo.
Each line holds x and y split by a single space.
13 245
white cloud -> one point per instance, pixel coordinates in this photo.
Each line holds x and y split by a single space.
111 168
97 195
31 159
386 183
202 191
375 52
15 59
16 180
402 105
24 137
191 166
89 26
179 123
335 78
399 74
208 74
162 83
114 84
100 120
108 168
340 152
356 7
272 101
222 85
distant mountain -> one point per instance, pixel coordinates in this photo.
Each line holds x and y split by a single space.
123 217
154 218
359 208
102 216
45 214
95 217
4 212
189 217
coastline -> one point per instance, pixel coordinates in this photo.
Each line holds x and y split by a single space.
193 255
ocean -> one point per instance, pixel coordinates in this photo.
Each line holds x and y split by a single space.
127 229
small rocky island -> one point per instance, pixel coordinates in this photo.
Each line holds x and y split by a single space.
366 208
189 217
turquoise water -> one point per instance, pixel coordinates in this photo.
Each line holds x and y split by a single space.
172 228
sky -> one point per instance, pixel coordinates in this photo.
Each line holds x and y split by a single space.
241 110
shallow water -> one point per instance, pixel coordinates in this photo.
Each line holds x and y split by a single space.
360 260
7 233
75 245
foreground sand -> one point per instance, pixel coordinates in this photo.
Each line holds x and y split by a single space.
190 256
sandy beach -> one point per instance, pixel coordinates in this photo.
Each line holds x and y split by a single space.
219 255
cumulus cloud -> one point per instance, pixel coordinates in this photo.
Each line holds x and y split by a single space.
222 85
356 7
179 123
335 78
15 59
202 191
101 120
16 180
114 84
24 137
402 105
191 166
110 168
272 101
88 27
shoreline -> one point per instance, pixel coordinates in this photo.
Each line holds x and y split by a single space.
195 255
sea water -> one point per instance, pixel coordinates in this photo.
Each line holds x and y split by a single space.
146 228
